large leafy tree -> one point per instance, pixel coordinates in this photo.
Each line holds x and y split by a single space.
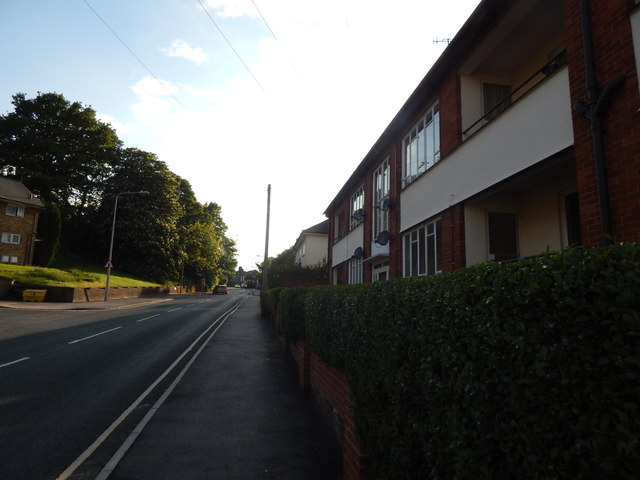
227 264
146 240
199 240
60 150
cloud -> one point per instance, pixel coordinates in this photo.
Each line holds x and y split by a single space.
155 100
180 48
121 128
232 8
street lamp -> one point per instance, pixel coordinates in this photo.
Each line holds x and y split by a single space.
113 230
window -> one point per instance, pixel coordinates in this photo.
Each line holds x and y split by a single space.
15 211
496 99
381 183
9 259
421 147
13 238
356 212
503 236
336 226
380 272
572 219
422 250
355 270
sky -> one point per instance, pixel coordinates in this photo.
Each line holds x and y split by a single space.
235 95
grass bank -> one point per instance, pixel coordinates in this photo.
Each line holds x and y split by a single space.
65 275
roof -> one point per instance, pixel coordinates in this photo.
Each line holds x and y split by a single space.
321 228
473 29
14 191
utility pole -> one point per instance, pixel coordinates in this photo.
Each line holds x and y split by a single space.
265 268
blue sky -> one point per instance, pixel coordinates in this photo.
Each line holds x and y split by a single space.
295 102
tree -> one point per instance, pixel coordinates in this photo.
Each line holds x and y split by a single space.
227 265
49 228
61 151
147 237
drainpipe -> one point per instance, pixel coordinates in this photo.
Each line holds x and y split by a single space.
593 112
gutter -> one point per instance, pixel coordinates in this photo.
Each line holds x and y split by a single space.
593 111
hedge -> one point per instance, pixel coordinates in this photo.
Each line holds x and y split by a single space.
291 313
528 370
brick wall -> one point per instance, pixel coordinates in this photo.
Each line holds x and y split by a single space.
23 226
330 391
613 56
452 248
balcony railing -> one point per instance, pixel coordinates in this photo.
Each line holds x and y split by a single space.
519 92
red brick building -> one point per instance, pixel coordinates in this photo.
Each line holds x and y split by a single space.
19 212
524 136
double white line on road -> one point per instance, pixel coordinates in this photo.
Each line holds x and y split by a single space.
111 465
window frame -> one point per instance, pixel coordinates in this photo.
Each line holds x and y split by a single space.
417 160
11 238
422 250
355 271
19 211
356 202
381 188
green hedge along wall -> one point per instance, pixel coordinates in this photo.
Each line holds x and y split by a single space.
528 370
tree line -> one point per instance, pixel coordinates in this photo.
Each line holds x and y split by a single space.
77 166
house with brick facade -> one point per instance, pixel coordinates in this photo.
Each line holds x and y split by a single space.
19 212
523 137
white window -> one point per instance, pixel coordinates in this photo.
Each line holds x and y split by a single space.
355 270
9 259
13 238
15 211
421 147
380 272
422 250
381 183
356 208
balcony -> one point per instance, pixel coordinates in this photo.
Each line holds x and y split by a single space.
531 130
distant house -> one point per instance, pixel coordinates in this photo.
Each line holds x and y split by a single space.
19 212
311 246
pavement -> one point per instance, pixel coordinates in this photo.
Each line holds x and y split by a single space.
236 414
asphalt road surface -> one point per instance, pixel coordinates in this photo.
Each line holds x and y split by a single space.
73 384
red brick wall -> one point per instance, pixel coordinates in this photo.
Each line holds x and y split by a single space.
452 247
613 55
23 226
450 114
395 244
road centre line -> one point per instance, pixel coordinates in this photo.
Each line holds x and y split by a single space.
95 335
190 305
14 362
106 471
174 309
147 318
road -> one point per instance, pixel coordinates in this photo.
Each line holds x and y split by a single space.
73 384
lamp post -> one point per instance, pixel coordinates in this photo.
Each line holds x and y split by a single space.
113 230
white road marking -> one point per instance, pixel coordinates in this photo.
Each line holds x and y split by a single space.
147 318
174 309
190 305
14 362
95 335
106 471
